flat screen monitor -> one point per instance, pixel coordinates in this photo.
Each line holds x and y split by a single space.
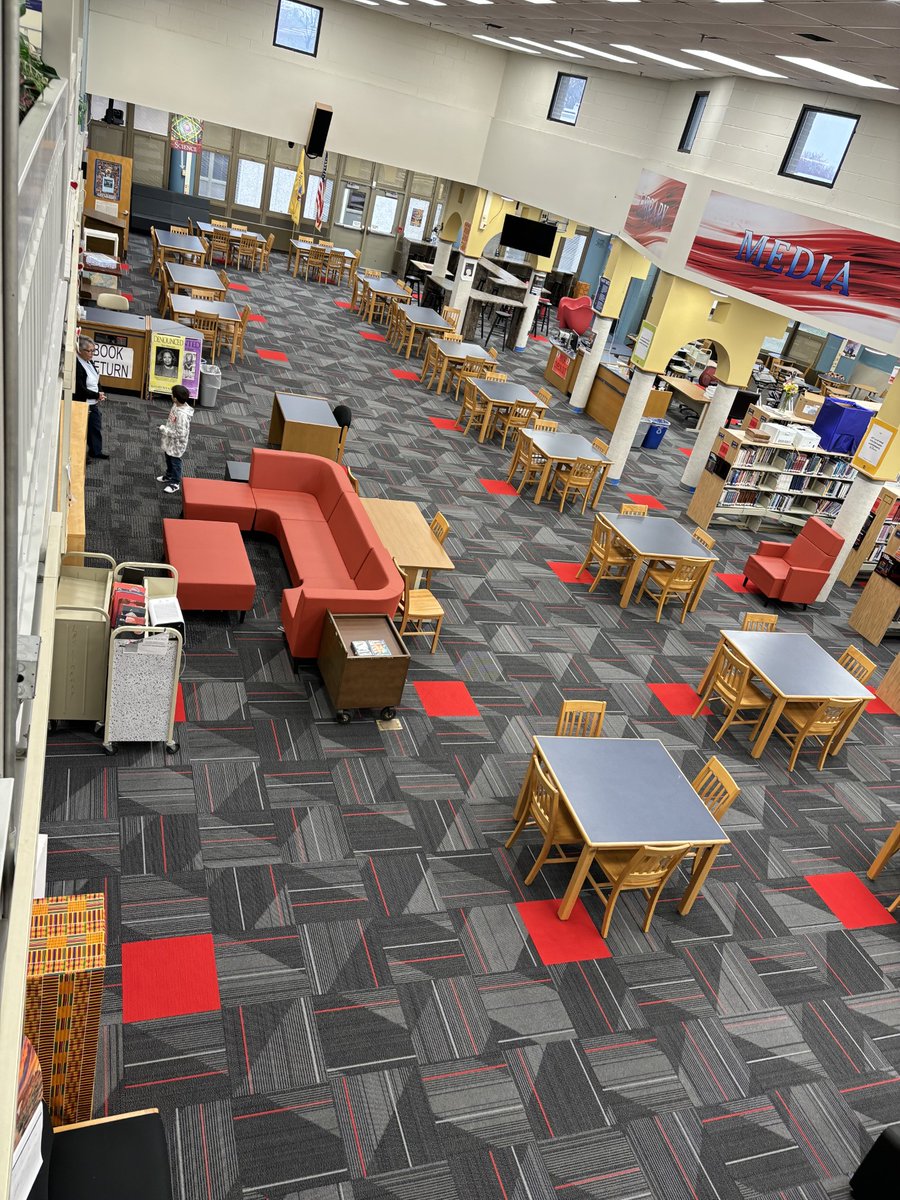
533 237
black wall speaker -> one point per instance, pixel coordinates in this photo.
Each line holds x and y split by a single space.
318 131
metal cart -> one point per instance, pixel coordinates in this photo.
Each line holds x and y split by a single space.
81 639
142 687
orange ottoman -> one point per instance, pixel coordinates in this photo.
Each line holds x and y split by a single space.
218 500
214 572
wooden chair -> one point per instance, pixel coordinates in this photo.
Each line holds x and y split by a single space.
223 278
729 681
755 622
543 425
633 510
474 405
701 536
716 788
220 245
350 267
539 804
636 870
521 453
156 260
240 228
430 364
452 337
887 851
315 261
180 229
827 721
497 376
854 661
527 459
574 479
204 258
371 273
342 441
603 470
516 417
439 527
231 333
207 324
263 252
581 718
334 266
681 580
452 315
545 395
322 242
204 294
245 250
459 372
419 607
611 557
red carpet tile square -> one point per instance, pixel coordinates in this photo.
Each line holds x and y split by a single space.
399 373
444 423
272 355
685 450
575 940
850 900
498 487
678 699
878 707
126 296
169 977
735 583
446 698
641 498
257 318
538 337
570 572
342 303
180 714
238 287
372 337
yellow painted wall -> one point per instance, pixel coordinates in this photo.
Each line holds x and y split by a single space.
680 311
466 203
623 265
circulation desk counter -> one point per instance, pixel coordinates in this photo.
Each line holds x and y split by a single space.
607 396
130 335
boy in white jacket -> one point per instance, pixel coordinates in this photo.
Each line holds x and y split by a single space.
174 437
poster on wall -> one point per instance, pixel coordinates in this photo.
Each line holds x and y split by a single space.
185 133
166 355
416 217
190 365
654 208
643 344
560 365
827 271
113 357
599 297
107 180
464 240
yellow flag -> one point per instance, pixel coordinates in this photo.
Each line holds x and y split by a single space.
295 210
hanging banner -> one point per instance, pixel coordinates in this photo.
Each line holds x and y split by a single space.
190 365
654 208
185 133
821 269
166 355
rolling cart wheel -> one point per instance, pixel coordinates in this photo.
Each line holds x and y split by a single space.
388 714
109 748
343 717
52 725
171 747
98 727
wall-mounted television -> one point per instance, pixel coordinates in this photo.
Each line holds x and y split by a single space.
533 237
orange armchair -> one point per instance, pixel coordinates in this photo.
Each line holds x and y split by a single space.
795 571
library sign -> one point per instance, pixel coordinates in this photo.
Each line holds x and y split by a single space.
654 208
825 270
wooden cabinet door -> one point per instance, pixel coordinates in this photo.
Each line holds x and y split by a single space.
109 183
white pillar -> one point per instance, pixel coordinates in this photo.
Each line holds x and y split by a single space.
526 314
849 521
716 415
632 410
587 372
462 285
441 257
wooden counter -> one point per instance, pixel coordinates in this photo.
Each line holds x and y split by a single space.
128 333
879 602
608 395
562 369
74 510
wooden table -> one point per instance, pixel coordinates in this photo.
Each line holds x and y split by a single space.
501 394
237 234
177 245
501 275
450 352
650 538
299 249
187 306
563 448
798 671
304 424
407 535
624 792
692 395
184 279
372 287
417 317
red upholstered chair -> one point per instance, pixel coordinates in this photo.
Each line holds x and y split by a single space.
795 571
575 314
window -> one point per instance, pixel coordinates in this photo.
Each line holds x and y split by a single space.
213 175
570 255
567 97
297 27
352 207
309 200
282 189
416 226
249 185
692 124
819 146
384 213
151 120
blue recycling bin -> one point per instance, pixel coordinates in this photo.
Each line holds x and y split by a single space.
655 434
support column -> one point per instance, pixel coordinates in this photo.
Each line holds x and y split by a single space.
441 257
587 372
849 521
716 415
462 286
526 314
632 410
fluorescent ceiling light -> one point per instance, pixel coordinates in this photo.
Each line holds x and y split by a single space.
540 1
434 3
404 3
542 46
821 68
368 3
672 62
483 37
599 53
481 1
739 1
733 62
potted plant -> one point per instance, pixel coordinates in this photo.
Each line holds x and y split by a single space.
34 74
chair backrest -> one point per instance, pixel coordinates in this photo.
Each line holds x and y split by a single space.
541 424
633 510
687 573
223 279
581 718
575 314
112 300
316 256
247 245
701 536
220 240
716 788
270 242
218 224
521 413
245 318
497 376
440 527
371 273
328 245
854 661
241 228
543 794
755 622
732 673
597 444
545 395
451 337
307 241
829 715
179 229
651 866
204 294
582 472
816 546
335 261
404 601
492 352
452 315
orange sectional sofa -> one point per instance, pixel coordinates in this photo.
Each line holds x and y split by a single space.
333 554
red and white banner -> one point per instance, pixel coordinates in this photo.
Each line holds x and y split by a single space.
654 208
825 270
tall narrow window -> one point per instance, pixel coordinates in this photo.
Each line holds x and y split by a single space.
249 185
213 176
692 124
819 145
567 97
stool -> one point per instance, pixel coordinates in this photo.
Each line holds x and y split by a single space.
214 573
218 500
541 322
502 317
237 472
414 279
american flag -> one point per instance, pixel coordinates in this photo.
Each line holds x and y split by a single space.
320 193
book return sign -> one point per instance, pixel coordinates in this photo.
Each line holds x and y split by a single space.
113 361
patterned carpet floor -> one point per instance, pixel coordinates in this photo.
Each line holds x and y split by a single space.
319 965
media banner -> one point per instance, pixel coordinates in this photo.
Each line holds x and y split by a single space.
821 269
654 208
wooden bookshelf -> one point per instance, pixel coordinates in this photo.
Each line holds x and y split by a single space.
749 481
878 526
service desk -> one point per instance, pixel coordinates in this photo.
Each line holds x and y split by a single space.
607 396
562 368
123 338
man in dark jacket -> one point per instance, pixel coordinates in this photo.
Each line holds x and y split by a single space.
87 390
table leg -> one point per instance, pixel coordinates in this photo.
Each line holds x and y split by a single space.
576 882
698 591
890 847
412 338
441 374
849 728
486 422
630 580
703 861
601 479
543 481
766 731
296 262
